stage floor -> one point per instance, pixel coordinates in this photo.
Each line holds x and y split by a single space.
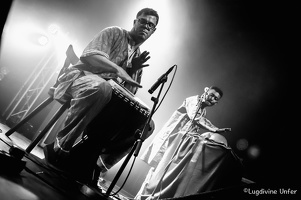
37 180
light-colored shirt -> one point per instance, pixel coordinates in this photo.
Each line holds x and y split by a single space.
115 44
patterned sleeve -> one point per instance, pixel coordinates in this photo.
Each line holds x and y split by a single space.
102 43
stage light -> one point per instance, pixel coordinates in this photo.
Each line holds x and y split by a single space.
53 29
242 144
37 39
3 73
254 151
43 40
27 36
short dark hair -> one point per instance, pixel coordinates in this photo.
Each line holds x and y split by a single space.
148 11
218 90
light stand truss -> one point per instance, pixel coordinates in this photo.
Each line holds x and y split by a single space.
29 92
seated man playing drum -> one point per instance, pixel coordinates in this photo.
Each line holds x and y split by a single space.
113 54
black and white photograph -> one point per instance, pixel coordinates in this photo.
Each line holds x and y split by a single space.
148 100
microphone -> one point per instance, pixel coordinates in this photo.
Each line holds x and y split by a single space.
160 80
205 94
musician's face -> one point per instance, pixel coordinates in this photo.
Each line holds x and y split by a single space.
212 97
144 27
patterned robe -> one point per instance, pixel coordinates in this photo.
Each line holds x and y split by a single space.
183 161
187 118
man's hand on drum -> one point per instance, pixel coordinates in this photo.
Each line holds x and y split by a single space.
138 62
121 73
151 128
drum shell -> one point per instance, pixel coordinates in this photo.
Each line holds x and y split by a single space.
117 123
111 134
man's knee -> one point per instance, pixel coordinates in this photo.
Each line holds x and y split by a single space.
105 89
91 87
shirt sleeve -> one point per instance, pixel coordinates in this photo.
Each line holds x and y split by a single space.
206 124
182 108
102 43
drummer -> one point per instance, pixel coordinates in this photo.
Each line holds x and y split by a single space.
114 53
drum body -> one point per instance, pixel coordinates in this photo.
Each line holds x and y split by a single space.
120 118
112 133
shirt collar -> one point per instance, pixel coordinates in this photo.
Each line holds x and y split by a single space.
130 39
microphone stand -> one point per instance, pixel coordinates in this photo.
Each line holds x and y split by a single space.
138 143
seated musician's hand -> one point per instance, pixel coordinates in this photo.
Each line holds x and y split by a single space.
138 62
223 130
151 128
121 73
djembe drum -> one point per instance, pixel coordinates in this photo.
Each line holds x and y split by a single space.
112 132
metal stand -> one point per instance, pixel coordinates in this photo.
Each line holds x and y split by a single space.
138 143
17 153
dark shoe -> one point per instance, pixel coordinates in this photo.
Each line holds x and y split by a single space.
51 158
66 165
91 191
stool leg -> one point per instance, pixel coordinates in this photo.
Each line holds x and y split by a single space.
47 127
28 117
